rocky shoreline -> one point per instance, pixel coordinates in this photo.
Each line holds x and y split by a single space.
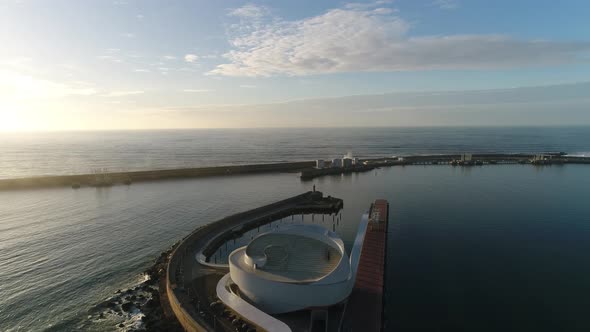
141 308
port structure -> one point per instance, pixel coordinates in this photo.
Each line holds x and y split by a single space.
191 276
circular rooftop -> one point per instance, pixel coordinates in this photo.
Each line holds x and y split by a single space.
288 257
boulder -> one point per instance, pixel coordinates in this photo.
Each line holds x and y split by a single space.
127 306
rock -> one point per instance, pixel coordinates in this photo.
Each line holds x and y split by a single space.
126 306
150 303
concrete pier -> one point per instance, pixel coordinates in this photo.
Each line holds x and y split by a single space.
115 178
364 309
191 281
306 169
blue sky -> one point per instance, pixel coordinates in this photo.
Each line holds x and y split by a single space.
169 64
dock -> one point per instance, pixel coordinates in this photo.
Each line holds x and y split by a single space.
364 309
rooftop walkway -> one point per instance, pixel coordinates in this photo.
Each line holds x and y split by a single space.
292 258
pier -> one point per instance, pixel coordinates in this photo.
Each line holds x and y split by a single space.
126 178
191 278
364 309
305 168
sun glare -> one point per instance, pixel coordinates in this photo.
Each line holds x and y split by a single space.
10 119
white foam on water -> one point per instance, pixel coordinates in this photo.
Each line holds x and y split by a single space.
579 154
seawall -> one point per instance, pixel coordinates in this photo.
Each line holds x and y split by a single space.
85 180
305 167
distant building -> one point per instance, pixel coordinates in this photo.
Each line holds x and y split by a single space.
356 161
466 157
319 163
347 162
337 162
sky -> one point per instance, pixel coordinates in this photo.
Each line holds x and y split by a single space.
146 64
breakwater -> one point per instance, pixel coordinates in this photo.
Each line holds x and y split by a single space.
189 284
92 180
305 167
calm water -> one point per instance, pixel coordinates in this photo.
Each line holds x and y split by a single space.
32 154
485 248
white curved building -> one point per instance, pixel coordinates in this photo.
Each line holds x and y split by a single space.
294 268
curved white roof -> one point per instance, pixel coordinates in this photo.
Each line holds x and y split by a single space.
295 267
291 257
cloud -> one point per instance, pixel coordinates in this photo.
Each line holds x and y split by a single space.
123 93
139 16
250 11
565 104
446 4
24 87
367 39
141 70
247 86
198 90
169 57
191 58
110 58
128 35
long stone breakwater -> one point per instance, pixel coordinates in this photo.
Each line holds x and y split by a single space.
114 178
305 167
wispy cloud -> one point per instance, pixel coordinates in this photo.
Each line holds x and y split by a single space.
128 35
446 4
358 38
250 11
191 58
123 93
198 90
558 104
15 85
247 86
169 57
140 70
111 58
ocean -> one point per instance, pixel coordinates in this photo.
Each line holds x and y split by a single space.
487 248
58 153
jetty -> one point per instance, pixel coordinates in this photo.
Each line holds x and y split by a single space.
364 309
307 169
191 276
192 279
126 178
